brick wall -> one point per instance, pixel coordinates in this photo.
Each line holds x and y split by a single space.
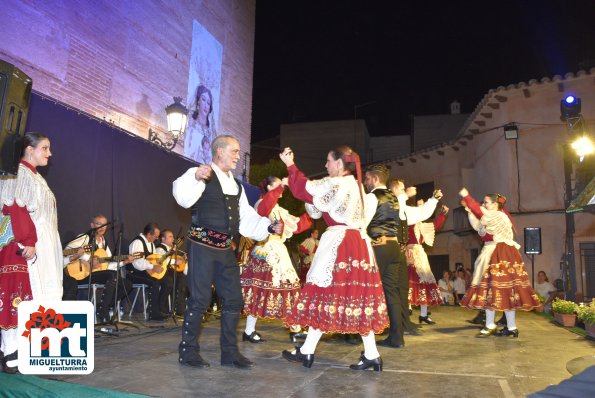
124 61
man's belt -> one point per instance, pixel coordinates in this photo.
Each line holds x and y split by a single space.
383 240
208 237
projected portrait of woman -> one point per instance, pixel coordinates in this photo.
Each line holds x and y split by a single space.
201 129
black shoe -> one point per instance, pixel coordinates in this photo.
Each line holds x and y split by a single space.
366 363
506 332
306 359
478 320
426 319
387 343
502 321
410 311
241 362
253 338
12 370
196 362
487 332
295 336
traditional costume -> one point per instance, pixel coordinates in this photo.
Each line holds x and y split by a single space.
423 290
29 218
270 284
500 281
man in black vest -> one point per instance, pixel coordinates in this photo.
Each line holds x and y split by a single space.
106 277
159 289
389 233
165 246
220 212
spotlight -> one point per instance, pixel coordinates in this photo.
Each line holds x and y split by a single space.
511 132
583 146
570 107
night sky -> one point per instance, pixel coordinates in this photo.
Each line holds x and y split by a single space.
317 60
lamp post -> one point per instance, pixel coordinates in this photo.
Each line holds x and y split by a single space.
570 112
177 117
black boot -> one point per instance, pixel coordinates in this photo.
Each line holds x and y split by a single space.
479 319
306 359
10 369
189 348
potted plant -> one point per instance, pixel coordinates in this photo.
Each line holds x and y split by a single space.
564 312
586 313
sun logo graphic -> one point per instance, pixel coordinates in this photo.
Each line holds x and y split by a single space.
56 337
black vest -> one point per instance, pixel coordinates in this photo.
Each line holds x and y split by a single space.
145 247
216 210
386 221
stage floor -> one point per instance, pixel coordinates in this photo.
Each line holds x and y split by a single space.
446 361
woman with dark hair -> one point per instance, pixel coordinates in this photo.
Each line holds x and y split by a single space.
201 131
270 284
500 281
343 291
31 253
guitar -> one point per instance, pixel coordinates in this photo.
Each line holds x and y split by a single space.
164 260
79 269
68 252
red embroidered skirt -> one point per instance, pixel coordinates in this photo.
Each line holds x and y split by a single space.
353 303
421 293
261 298
14 285
504 285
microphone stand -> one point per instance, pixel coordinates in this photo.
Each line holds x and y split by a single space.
91 234
116 314
175 271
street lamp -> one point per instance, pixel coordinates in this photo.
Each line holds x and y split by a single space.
570 112
177 116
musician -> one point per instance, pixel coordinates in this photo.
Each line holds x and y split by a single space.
107 277
159 289
176 260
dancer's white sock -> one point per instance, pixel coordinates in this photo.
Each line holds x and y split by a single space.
423 310
250 324
311 342
510 319
490 317
370 349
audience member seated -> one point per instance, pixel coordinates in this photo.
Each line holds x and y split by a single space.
545 290
446 288
458 286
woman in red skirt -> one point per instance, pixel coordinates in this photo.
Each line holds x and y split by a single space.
343 292
500 281
423 290
270 284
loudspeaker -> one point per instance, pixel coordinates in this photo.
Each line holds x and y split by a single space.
532 240
15 93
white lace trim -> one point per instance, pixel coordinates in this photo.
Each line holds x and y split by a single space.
340 198
421 263
321 270
427 230
497 224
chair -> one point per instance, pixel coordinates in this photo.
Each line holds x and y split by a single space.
94 287
139 287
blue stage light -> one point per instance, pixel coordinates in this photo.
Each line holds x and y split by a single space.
570 107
